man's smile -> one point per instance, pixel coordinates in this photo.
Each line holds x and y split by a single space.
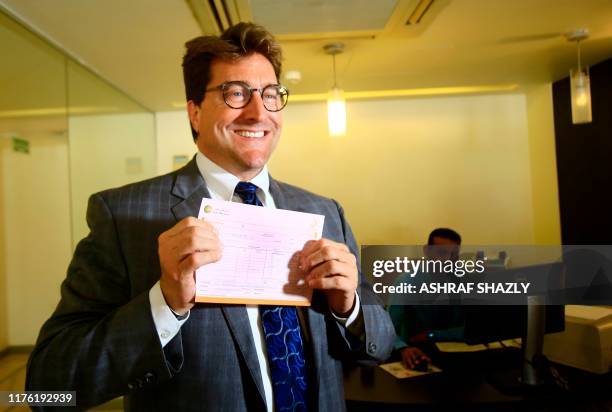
251 133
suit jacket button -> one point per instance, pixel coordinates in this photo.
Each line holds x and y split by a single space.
371 348
149 377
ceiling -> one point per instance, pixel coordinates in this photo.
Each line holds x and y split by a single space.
137 45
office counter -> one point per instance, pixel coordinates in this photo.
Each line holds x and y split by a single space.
471 382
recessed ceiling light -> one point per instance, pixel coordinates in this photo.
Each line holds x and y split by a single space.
293 76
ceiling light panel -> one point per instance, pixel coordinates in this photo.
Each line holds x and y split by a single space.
322 16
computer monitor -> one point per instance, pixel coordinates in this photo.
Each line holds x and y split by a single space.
528 321
493 323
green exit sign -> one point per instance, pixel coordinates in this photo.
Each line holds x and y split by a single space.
21 145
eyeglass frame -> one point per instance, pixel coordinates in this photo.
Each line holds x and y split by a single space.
247 86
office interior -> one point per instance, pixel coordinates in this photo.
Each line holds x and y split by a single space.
461 119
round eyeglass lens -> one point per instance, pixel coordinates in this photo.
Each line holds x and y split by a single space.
236 95
274 97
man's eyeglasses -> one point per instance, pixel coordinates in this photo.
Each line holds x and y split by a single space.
238 94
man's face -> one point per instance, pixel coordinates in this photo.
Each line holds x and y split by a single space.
442 249
239 140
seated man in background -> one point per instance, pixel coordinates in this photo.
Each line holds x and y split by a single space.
419 326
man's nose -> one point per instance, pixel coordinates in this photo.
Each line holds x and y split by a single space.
255 110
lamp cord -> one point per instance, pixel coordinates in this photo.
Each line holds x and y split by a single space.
334 60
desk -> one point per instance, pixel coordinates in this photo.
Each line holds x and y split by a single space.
463 385
373 389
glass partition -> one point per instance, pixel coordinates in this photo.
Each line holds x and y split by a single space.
111 140
35 202
65 133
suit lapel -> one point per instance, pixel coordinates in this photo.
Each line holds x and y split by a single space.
281 200
190 188
238 320
313 327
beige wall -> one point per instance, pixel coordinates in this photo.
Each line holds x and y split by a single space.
107 151
541 128
37 218
407 165
173 138
3 291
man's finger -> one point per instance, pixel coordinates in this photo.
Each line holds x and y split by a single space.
309 248
195 245
331 268
185 223
330 283
407 358
194 234
327 253
312 245
196 260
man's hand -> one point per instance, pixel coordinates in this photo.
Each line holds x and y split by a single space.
411 356
188 245
331 267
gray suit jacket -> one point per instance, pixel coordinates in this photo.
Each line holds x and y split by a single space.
101 340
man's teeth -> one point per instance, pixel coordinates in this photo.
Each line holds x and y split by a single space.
244 133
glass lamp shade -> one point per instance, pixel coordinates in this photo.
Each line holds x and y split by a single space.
580 86
336 112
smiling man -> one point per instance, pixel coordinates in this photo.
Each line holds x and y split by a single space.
127 323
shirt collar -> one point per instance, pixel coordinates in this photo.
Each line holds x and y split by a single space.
221 183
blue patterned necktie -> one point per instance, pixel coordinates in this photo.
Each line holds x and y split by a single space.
283 340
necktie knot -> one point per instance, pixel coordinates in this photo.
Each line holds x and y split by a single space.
248 193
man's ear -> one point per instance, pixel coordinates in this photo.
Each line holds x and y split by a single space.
193 110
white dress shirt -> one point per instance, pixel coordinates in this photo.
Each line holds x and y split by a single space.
221 185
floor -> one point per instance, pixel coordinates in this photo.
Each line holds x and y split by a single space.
12 378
